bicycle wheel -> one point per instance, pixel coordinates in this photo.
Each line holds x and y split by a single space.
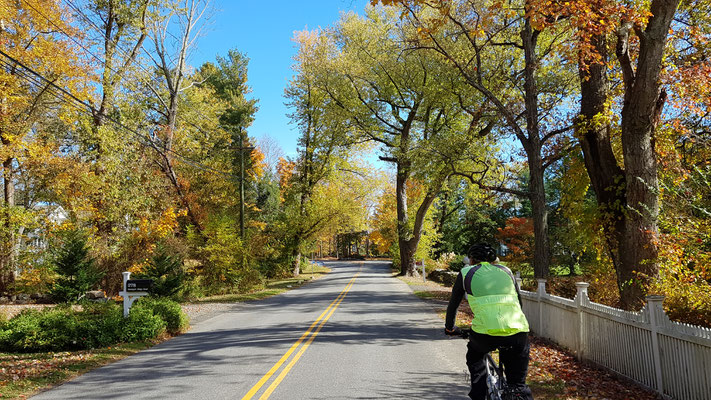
495 381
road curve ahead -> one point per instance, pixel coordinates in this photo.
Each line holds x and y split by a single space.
356 333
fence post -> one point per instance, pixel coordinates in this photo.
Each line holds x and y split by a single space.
519 281
424 273
580 299
654 304
541 291
126 302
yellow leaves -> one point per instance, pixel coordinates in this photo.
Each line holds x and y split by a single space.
257 225
258 164
138 268
285 170
161 227
381 242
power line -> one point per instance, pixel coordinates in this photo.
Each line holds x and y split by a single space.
125 52
39 79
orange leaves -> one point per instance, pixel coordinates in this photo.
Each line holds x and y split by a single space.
517 235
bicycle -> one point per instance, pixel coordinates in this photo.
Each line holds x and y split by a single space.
495 378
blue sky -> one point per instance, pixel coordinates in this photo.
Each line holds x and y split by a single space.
263 31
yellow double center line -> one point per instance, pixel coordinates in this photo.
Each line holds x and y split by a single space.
308 337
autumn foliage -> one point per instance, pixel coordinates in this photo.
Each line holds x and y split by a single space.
517 236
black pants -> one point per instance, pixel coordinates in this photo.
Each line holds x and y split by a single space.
513 354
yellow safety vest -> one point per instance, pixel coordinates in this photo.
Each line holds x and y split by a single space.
492 296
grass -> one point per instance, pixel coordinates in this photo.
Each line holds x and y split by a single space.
24 374
271 288
433 295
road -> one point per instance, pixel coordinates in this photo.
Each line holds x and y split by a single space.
356 333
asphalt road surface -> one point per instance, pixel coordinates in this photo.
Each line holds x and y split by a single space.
356 333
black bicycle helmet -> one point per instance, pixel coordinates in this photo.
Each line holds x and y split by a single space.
481 252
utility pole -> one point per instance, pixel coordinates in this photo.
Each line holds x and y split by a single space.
242 148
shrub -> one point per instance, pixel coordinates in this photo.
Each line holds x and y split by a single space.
40 330
687 297
37 275
443 261
98 325
75 268
141 324
175 319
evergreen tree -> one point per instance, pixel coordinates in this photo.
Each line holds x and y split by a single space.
167 273
75 267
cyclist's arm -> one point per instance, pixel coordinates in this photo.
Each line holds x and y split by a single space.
454 301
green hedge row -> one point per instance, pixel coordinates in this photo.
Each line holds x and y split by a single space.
96 325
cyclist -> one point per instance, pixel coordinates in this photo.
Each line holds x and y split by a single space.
499 322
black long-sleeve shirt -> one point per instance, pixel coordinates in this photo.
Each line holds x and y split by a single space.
454 301
458 294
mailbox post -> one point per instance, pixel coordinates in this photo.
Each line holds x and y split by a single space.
133 290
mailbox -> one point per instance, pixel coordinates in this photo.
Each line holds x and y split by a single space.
138 285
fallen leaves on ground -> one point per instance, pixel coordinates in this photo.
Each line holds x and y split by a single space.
16 367
556 374
23 374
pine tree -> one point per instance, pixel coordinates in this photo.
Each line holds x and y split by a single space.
75 267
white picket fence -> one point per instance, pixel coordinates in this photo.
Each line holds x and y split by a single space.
645 346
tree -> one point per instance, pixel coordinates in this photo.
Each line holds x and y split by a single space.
467 214
321 145
76 269
27 39
405 102
229 80
172 53
627 196
500 51
121 24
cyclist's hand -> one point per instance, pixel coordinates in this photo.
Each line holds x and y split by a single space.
453 332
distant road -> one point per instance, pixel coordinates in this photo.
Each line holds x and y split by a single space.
356 333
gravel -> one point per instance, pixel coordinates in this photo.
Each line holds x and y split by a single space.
204 311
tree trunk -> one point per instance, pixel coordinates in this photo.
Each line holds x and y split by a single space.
641 111
297 264
541 249
533 148
628 199
403 230
407 261
7 259
606 176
